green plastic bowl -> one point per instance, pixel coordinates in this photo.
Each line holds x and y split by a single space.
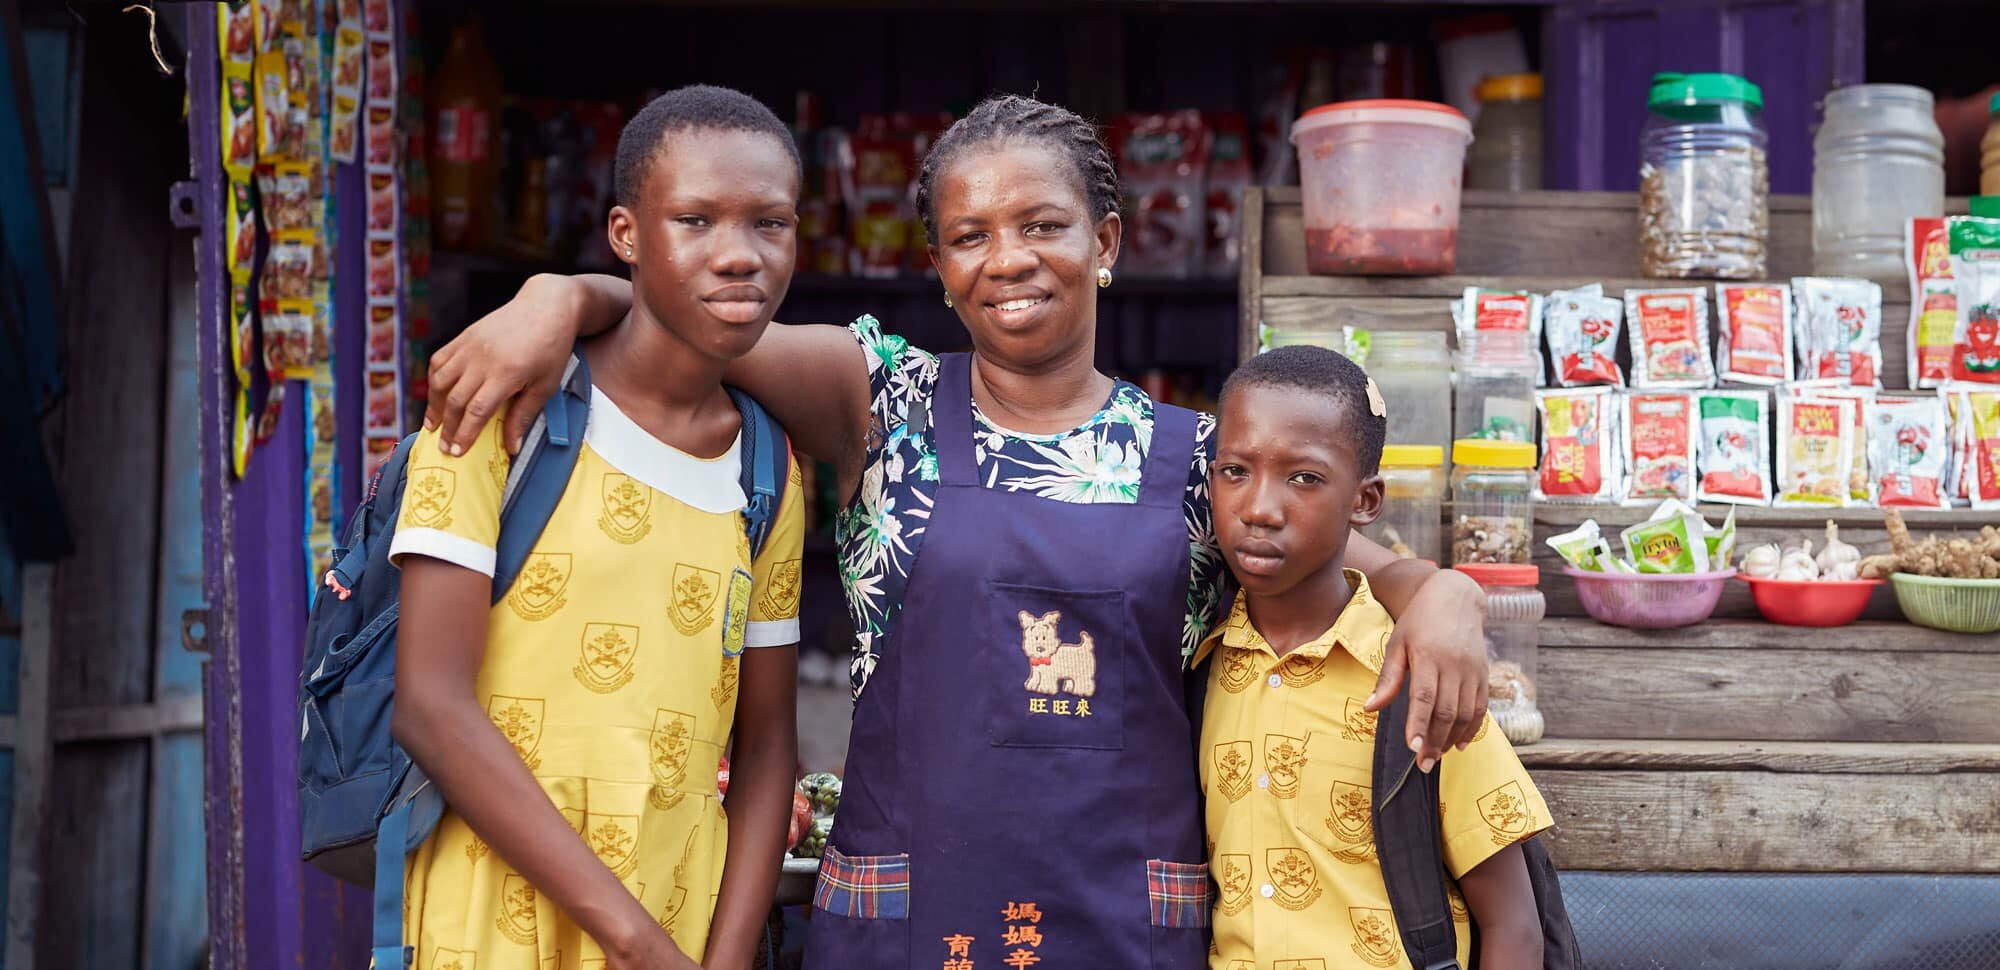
1957 605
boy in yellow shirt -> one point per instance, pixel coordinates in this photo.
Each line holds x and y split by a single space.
575 727
1286 746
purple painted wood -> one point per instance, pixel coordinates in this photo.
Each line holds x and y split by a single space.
265 909
1600 56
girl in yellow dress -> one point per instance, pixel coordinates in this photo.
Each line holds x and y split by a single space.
575 727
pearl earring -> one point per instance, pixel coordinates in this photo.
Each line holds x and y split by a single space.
947 298
1103 277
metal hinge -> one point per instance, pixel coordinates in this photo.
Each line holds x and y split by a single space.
194 630
183 204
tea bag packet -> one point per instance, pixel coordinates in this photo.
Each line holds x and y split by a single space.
1733 457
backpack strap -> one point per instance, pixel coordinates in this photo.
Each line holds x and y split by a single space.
386 942
765 471
1409 846
540 473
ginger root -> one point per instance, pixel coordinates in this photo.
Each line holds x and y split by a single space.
1974 557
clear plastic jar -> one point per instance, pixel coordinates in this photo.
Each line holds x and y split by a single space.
1989 152
1514 608
1491 498
1413 370
1506 152
1496 387
1704 183
1412 501
1878 162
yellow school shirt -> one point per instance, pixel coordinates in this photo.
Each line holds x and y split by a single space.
1286 758
609 667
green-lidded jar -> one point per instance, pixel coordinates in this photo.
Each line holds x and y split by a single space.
1704 180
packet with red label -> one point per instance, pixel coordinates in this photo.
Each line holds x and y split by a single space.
1735 447
1978 462
1860 488
1669 335
1228 176
1754 342
1659 434
1514 310
885 166
1161 161
1909 448
1975 267
1933 302
1579 445
1839 329
1582 326
1815 451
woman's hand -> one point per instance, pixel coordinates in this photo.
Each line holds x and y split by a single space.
516 353
1440 646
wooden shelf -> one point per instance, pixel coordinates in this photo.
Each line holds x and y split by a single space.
1562 517
1785 757
1453 287
1576 632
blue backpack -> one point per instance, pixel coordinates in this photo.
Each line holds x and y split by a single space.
362 803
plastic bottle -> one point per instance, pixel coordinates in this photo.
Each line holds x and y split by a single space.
1704 181
1506 152
1878 162
465 156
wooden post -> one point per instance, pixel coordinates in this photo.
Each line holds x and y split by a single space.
32 752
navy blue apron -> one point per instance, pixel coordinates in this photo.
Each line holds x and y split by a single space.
1021 783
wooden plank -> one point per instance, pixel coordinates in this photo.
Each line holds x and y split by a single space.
1453 287
31 779
1775 695
1737 821
1250 282
176 845
177 714
1570 632
100 836
1564 517
1789 757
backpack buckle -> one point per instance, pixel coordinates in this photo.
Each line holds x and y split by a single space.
1449 963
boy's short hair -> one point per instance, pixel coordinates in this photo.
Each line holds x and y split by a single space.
1317 370
697 106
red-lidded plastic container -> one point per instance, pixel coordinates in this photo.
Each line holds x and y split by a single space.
1381 186
1811 602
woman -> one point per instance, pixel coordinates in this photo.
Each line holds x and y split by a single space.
1021 779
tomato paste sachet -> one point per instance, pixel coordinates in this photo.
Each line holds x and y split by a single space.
1579 445
1975 266
1933 303
1734 454
1754 342
1582 327
1659 447
1977 409
1859 487
1838 325
1909 449
1668 330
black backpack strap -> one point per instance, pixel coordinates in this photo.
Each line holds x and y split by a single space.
540 473
765 471
1409 845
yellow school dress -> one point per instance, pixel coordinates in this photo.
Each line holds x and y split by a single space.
610 666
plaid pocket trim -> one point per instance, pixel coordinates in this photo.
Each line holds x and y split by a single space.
1179 892
863 886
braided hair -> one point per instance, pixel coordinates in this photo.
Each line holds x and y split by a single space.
1011 116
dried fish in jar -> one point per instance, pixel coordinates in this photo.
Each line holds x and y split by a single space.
1705 214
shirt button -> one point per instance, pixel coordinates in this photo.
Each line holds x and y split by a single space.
1269 890
1263 781
1275 680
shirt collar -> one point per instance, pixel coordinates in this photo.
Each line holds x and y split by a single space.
1362 629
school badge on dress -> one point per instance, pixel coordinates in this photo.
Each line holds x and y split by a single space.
628 505
692 604
520 722
1359 723
1284 759
615 839
1293 877
538 591
1239 669
1232 769
1348 821
1507 813
1375 939
431 493
1233 881
781 593
516 921
671 742
606 652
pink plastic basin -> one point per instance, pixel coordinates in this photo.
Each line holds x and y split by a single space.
1647 601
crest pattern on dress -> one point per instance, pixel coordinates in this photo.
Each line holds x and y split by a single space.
1293 876
1232 881
1284 762
520 722
1375 939
1232 769
781 590
538 591
615 839
724 690
670 745
516 921
605 655
691 603
430 495
1349 811
1239 669
1359 723
1507 812
628 508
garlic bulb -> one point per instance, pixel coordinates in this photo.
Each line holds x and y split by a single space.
1798 565
1842 572
1762 561
1836 552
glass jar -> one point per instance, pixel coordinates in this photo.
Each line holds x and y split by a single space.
1989 152
1412 368
1878 162
1506 152
1514 608
1704 183
1492 508
1496 387
1412 501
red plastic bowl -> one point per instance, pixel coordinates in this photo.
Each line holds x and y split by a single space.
1814 602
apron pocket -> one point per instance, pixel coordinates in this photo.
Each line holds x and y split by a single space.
863 886
1054 677
1178 892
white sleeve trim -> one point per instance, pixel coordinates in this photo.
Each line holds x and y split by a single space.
770 633
438 544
